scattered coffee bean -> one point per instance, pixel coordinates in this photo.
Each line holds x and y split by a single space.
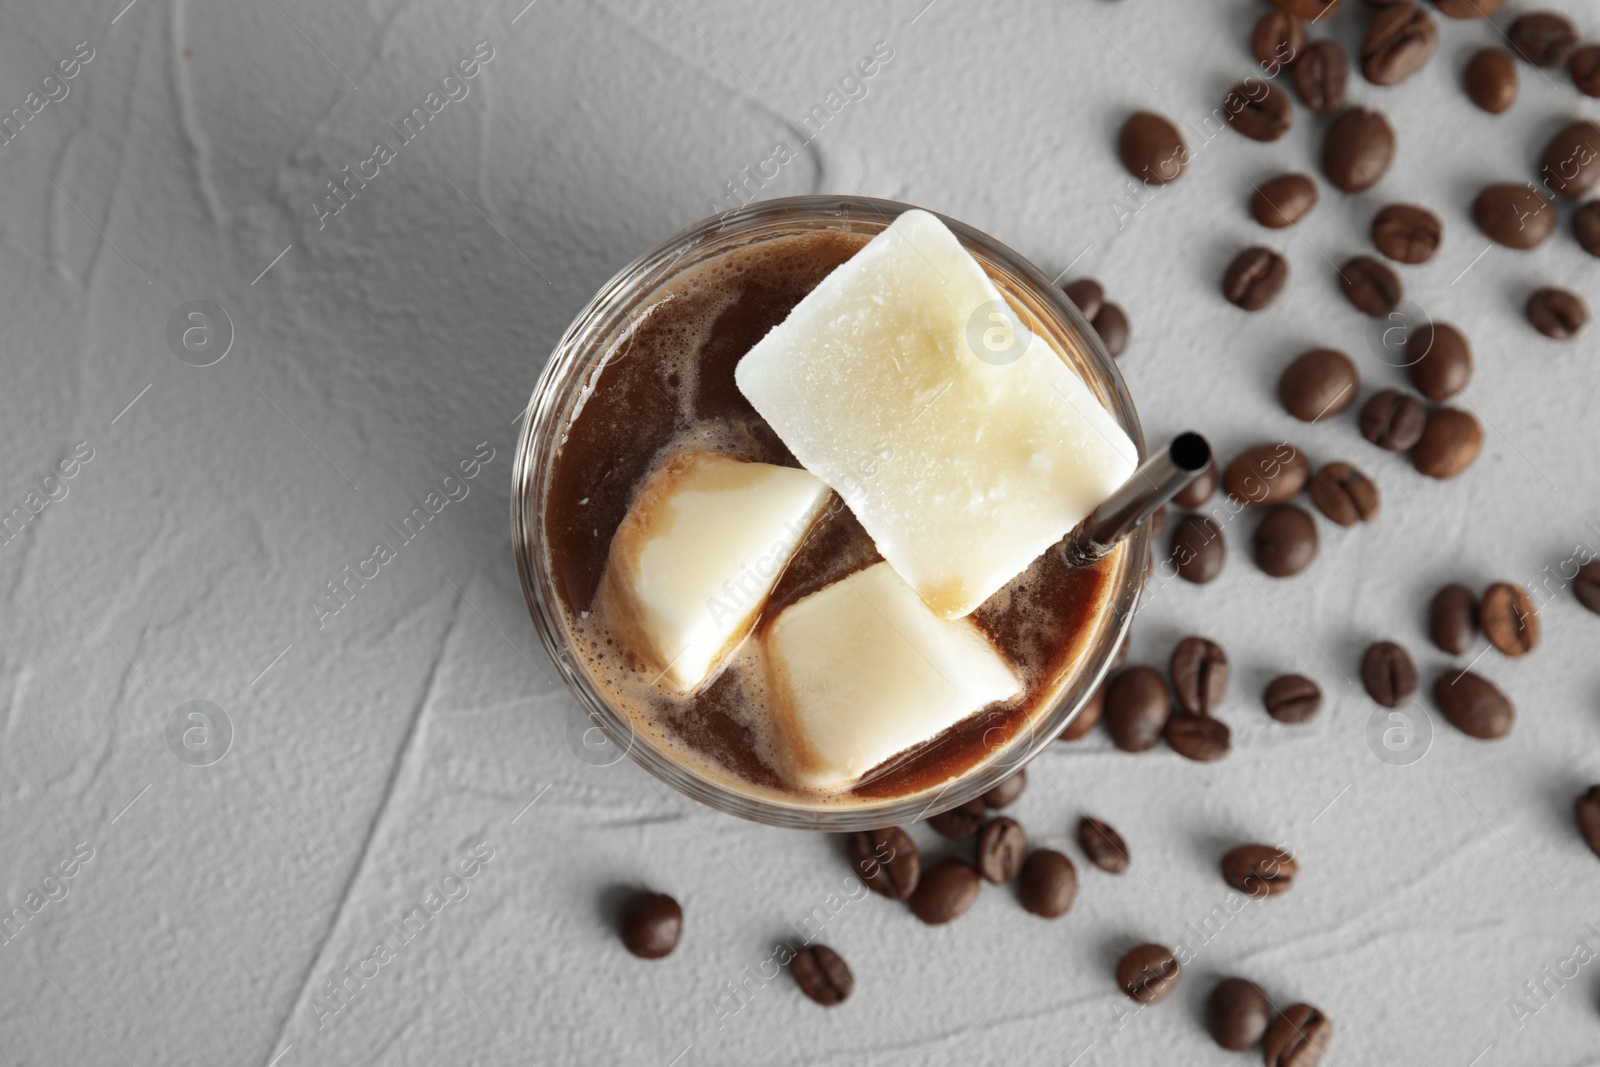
1149 973
1086 295
1474 705
1407 233
651 925
946 891
1370 286
1439 360
1468 9
1199 670
1112 325
961 822
1198 550
1007 791
1137 707
1345 495
1048 884
1237 1014
1199 737
887 860
1267 474
1543 38
1259 110
1584 66
1450 443
1088 716
1151 148
1394 421
1586 586
1255 278
1587 809
1509 619
1297 1037
1321 76
821 975
1283 201
1514 215
1104 846
1285 542
1491 79
1586 226
1400 39
1002 846
1293 698
1318 383
1199 491
1260 870
1277 40
1557 313
1310 10
1357 149
1572 159
1453 619
1388 674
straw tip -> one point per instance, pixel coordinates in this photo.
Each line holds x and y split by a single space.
1189 451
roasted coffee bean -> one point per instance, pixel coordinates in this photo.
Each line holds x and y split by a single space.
1468 9
1258 109
1002 846
1584 66
1277 40
1400 39
1318 383
1388 674
1237 1014
1491 79
961 822
1514 215
1586 226
1088 716
1474 705
1509 619
1006 793
1297 1037
1137 707
1255 278
1407 233
1104 846
1199 670
1266 474
1286 541
1111 323
1149 973
1587 809
887 860
1572 159
1310 10
1293 698
1283 201
946 891
1453 619
1357 149
1370 286
1345 495
1151 148
1086 295
821 975
1321 76
1048 884
1197 549
1439 360
1199 737
1260 870
1543 38
1450 443
1393 420
1586 586
1199 491
651 925
1557 313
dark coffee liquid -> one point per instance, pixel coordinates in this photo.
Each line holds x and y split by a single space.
667 386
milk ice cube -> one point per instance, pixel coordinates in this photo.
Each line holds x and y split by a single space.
695 558
965 443
862 670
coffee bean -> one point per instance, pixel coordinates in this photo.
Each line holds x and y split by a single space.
1407 233
1137 707
1277 40
1310 10
1199 737
1587 809
1393 420
1266 474
961 822
1318 383
1260 870
1468 9
1586 226
1453 619
946 891
1149 973
1399 41
1151 148
1259 110
1491 79
651 925
1584 66
1006 793
1112 325
1237 1014
1197 549
1509 619
1088 716
1586 586
887 860
1572 159
1370 286
1297 1037
1450 443
1286 541
1439 360
1357 149
1199 491
1345 495
1293 698
1255 278
821 975
1002 846
1086 295
1104 846
1543 38
1557 313
1048 884
1514 215
1388 674
1474 705
1199 670
1283 201
1321 76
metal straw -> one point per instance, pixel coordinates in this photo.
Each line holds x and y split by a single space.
1160 479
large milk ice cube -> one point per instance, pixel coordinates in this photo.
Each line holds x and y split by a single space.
994 451
862 670
700 549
